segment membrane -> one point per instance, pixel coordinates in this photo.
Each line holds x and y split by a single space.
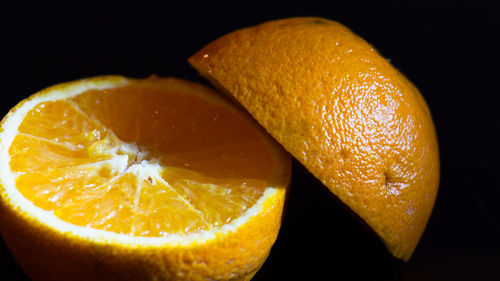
140 161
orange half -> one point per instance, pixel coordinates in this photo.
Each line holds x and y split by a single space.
354 121
155 166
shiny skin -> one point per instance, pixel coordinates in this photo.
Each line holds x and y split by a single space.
352 119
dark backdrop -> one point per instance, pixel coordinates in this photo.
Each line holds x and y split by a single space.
448 49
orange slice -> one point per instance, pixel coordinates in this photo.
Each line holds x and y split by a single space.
343 111
112 178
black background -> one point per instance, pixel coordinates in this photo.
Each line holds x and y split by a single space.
448 49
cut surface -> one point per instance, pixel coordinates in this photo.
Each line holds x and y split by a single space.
343 111
142 160
111 178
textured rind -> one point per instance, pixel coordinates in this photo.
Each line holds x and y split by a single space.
343 111
47 254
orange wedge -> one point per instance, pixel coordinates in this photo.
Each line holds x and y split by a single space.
343 111
113 178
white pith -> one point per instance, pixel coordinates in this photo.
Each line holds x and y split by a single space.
140 167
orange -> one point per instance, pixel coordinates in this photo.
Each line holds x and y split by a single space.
113 178
343 111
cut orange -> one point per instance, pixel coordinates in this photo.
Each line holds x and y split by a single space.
343 111
120 179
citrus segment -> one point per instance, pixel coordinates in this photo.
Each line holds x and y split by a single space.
157 159
188 130
61 123
343 111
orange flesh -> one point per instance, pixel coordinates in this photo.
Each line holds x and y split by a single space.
140 161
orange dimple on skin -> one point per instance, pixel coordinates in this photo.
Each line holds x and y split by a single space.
140 160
